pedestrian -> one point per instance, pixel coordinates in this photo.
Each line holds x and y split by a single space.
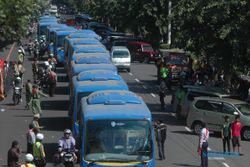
180 97
35 122
203 145
162 94
31 139
14 154
38 151
35 101
160 136
158 64
226 134
28 87
52 82
236 128
28 161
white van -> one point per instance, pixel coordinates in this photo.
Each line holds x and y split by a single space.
53 9
121 57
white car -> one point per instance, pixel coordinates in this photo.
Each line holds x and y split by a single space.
121 57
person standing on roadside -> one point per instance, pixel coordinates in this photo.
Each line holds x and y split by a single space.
31 139
236 128
28 87
52 82
203 145
14 154
38 151
162 94
160 136
35 123
35 101
226 134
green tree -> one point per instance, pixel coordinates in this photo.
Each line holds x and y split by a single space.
215 30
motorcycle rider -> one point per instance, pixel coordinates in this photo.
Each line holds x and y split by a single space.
67 142
52 61
20 56
17 83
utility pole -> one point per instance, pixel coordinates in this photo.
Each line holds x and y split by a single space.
169 22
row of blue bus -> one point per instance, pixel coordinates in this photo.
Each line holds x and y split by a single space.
113 126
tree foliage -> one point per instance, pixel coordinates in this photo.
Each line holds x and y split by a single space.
216 30
15 16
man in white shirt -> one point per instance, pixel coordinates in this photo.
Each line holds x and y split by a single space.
203 145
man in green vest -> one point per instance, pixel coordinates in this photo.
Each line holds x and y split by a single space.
180 96
28 161
38 151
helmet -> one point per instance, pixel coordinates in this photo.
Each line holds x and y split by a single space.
39 136
51 55
46 63
19 50
18 78
67 131
29 158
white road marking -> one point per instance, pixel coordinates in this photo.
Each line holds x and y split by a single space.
216 158
225 164
2 110
137 80
152 94
144 87
26 120
209 149
188 129
130 74
52 137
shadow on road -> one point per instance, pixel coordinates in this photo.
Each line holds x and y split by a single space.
55 123
55 105
50 149
62 79
62 90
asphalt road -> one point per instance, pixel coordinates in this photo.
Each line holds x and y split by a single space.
181 144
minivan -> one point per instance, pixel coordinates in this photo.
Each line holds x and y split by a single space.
121 58
191 92
211 110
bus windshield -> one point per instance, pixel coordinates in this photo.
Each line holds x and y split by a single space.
118 141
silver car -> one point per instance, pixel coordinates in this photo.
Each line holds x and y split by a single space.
212 111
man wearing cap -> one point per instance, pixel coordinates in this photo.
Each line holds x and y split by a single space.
20 56
38 151
35 122
35 102
28 161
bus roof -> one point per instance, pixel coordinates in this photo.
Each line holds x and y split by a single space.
77 68
64 32
89 49
95 74
114 104
92 60
98 84
79 55
80 41
83 35
85 31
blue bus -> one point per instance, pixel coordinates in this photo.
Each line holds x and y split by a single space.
53 27
115 129
85 34
41 27
51 35
47 17
70 42
59 44
88 82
